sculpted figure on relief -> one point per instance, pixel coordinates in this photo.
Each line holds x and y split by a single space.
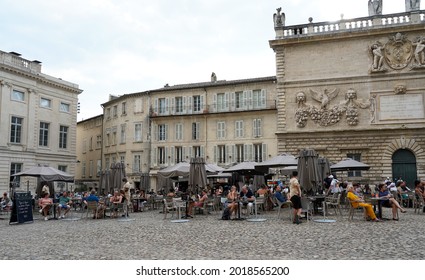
378 57
419 53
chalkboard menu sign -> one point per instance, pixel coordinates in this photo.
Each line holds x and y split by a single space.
22 208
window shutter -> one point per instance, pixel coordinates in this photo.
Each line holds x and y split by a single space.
190 152
184 155
167 160
203 151
166 132
215 154
189 105
224 130
245 99
155 132
172 152
263 99
226 101
249 101
184 105
232 101
173 104
202 107
155 105
154 156
215 102
264 156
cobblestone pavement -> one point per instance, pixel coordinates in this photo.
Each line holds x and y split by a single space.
147 235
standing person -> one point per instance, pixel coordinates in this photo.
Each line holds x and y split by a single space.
126 184
45 189
295 196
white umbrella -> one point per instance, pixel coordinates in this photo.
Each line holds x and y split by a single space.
349 164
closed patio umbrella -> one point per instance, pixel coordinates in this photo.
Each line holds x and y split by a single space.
308 170
197 174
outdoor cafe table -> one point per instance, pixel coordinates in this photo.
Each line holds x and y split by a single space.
376 201
317 201
136 203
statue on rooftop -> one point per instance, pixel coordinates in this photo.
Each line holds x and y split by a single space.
413 5
279 18
375 7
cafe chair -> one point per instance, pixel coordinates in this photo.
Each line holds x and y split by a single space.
169 206
335 203
91 208
352 210
307 207
287 204
418 204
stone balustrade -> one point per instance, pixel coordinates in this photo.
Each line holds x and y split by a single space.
14 60
378 21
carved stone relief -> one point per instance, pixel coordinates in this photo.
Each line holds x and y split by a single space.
325 115
397 53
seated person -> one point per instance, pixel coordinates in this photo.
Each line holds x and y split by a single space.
390 202
171 193
263 191
6 203
115 199
248 198
279 196
64 203
334 187
142 200
232 198
419 189
358 202
100 206
45 203
200 203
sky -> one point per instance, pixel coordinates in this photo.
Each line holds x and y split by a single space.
124 46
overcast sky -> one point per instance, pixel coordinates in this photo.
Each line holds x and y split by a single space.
125 46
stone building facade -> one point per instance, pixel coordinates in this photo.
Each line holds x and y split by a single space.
38 117
223 121
89 152
355 88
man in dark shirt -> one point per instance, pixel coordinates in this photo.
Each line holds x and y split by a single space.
247 198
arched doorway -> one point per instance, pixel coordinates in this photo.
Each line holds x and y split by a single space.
404 166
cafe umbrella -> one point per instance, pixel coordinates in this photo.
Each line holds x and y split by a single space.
197 174
308 170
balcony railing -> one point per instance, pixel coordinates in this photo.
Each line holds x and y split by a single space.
14 60
378 21
225 107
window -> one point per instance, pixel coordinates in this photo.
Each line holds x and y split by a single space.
239 129
221 130
221 154
259 99
124 108
15 168
83 169
239 100
64 107
91 144
62 168
98 141
195 130
122 158
196 151
179 131
179 104
136 163
108 113
108 138
16 130
114 136
115 111
43 139
122 134
197 103
256 128
63 137
239 153
91 168
18 95
221 102
84 149
138 132
162 105
98 167
179 154
161 155
107 163
45 103
258 152
356 173
162 132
